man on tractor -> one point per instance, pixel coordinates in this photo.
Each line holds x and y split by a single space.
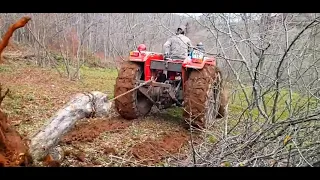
178 46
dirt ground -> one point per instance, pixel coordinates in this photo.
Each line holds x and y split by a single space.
37 93
153 151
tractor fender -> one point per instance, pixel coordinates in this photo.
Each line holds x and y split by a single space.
197 65
145 56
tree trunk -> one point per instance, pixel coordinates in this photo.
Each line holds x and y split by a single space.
94 104
5 40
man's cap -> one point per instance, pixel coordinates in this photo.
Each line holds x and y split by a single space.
182 27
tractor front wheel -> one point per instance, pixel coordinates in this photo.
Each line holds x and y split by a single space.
133 104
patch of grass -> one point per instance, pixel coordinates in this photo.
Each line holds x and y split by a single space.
96 79
30 97
162 164
212 139
57 57
175 112
172 115
13 103
99 79
5 69
137 132
239 105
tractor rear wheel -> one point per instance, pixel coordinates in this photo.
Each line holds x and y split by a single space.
202 97
133 104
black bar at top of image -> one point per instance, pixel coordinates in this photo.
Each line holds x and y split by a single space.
163 6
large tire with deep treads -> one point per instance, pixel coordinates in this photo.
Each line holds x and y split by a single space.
204 97
133 104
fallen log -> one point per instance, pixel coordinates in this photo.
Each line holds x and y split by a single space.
82 105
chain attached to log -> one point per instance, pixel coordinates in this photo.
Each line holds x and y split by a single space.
92 100
145 83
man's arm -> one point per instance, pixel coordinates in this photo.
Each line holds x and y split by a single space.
189 45
167 45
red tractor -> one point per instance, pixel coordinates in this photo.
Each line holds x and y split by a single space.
194 84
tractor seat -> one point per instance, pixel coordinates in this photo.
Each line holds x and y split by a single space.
177 60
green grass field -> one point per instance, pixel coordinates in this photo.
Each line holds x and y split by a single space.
299 102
